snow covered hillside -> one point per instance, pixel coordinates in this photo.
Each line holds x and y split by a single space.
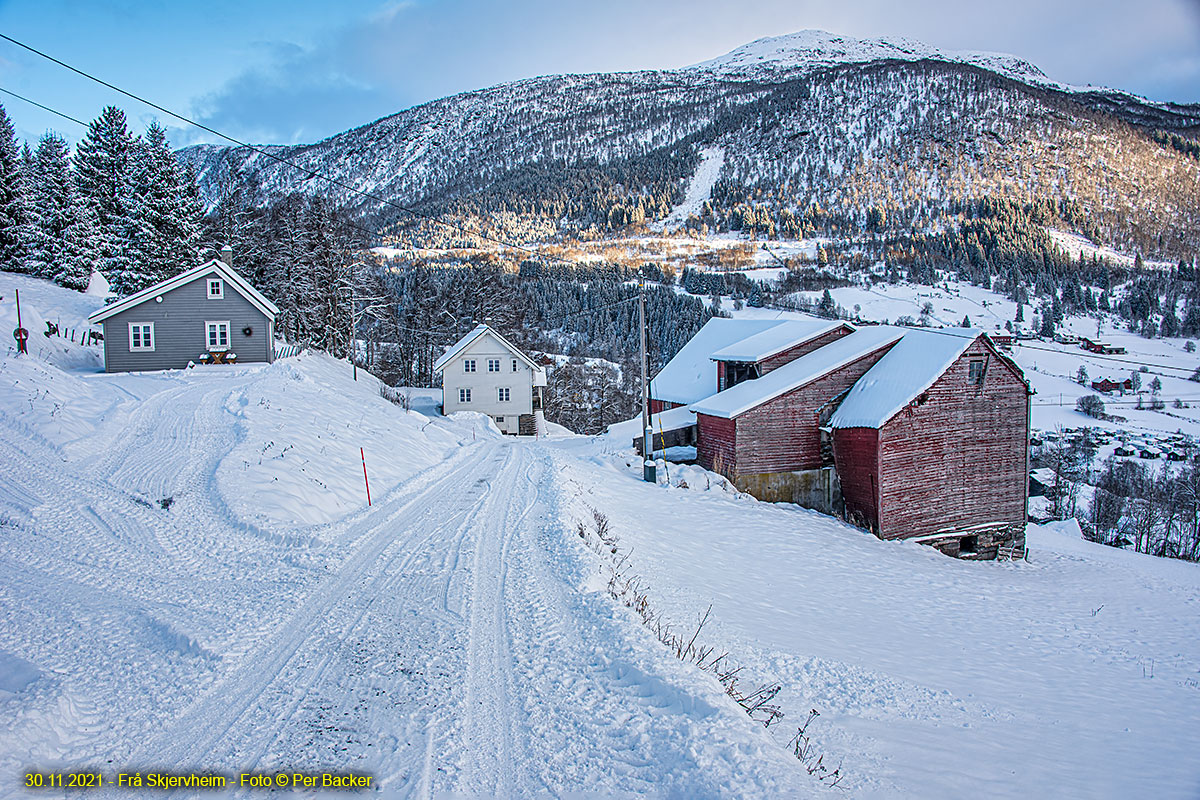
191 578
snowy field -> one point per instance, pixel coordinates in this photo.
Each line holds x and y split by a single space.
191 578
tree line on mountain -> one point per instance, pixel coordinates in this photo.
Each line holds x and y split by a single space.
121 205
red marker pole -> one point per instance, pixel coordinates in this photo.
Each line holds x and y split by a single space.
367 482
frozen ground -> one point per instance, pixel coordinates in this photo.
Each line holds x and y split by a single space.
454 638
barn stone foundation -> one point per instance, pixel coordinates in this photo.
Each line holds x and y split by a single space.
818 489
982 543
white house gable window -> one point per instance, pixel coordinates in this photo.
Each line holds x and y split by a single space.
514 365
464 395
141 336
218 336
503 394
216 289
493 365
469 365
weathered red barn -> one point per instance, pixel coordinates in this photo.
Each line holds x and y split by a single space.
931 443
765 433
909 433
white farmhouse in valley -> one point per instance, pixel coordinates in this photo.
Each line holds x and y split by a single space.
484 372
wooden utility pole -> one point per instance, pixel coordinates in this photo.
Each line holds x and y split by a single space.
648 472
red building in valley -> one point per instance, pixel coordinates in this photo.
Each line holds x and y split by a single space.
914 434
932 443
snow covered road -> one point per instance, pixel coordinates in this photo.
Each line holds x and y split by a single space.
446 639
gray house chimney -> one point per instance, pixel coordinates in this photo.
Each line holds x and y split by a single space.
227 255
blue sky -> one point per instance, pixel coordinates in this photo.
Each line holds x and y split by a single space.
302 70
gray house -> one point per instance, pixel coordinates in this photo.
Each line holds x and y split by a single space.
207 314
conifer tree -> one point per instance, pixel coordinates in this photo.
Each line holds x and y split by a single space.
12 205
102 175
82 247
51 196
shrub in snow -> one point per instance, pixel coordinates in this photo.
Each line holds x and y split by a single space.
1091 405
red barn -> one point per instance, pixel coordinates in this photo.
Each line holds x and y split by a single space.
911 434
766 433
1106 385
931 444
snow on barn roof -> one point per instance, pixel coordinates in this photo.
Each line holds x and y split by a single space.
478 331
777 339
753 393
908 369
691 375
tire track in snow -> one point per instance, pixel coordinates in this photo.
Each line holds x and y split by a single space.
209 721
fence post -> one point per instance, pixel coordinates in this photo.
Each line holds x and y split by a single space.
367 482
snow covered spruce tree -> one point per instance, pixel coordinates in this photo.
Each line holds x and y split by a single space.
51 196
163 233
12 203
102 176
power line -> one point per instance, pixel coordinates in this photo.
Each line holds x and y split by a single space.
308 172
42 107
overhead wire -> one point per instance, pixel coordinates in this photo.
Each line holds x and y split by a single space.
310 173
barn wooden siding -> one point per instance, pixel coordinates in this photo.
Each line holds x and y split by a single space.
953 461
783 434
716 444
856 452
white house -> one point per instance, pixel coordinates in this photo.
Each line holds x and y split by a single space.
484 372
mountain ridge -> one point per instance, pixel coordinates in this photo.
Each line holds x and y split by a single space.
576 147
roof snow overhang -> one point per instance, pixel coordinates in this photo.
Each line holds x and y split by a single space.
750 394
240 285
786 335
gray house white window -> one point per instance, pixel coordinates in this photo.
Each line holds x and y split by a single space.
216 289
218 335
493 365
514 365
464 395
141 337
469 365
502 394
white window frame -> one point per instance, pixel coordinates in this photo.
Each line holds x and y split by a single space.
514 365
216 348
464 395
493 365
143 347
503 394
468 365
208 289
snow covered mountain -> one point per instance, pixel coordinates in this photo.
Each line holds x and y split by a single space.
810 50
805 120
